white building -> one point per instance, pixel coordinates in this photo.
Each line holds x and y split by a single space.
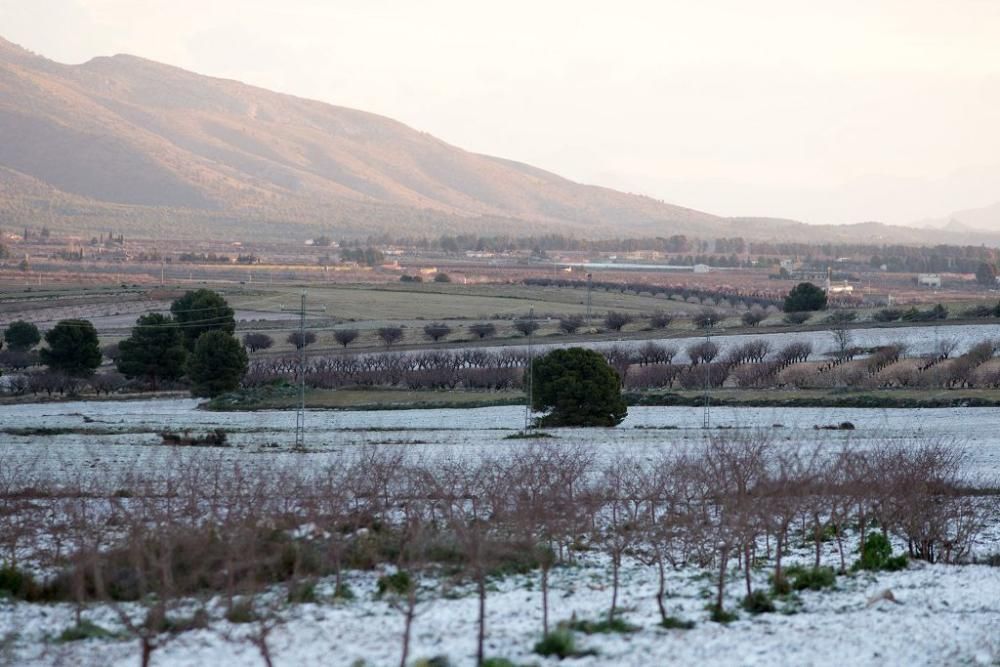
844 288
929 280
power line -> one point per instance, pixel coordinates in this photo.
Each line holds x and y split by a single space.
528 372
300 414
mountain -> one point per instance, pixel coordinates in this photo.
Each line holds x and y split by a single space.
126 144
133 141
986 218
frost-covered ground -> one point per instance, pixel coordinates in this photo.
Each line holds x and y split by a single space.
122 434
943 615
920 340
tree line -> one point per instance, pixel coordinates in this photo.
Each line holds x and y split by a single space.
195 343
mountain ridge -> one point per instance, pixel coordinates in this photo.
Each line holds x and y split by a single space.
154 149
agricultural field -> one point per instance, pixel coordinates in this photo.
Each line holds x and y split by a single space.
122 436
420 521
938 614
926 613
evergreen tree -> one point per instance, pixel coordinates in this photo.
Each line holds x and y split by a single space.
805 297
217 364
73 348
21 335
201 311
986 274
578 387
155 350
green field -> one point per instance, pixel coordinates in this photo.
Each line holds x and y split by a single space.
452 301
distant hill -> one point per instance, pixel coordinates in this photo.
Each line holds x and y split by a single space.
985 219
126 144
132 139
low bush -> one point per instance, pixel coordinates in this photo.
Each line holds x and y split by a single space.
343 592
993 560
603 627
720 615
214 438
811 578
304 592
84 630
559 643
674 623
979 311
758 602
841 317
877 555
528 435
498 662
241 612
397 583
436 661
20 585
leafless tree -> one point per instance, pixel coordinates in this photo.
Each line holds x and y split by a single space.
436 331
345 336
842 340
754 316
660 319
616 321
390 335
301 339
570 324
702 353
257 341
707 318
483 330
526 326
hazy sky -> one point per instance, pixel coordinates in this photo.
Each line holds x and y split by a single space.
827 112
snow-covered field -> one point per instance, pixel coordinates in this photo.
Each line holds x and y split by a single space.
942 615
117 433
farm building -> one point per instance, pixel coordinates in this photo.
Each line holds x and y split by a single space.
929 280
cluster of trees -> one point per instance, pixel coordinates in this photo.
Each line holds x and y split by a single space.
436 332
887 367
220 541
914 314
194 342
204 258
71 347
897 258
368 256
677 243
440 369
109 240
650 365
986 274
